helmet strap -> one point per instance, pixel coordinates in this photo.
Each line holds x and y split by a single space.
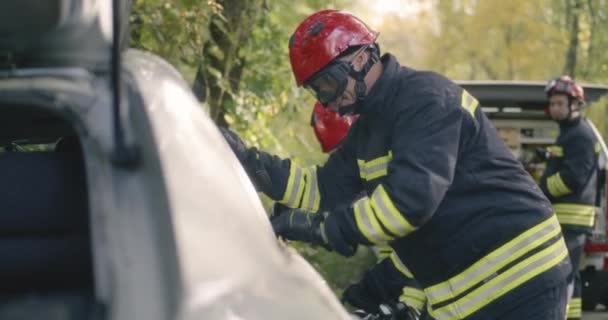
360 86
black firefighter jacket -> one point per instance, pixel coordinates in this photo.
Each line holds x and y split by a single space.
442 189
570 180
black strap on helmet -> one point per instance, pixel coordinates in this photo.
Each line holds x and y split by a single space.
359 76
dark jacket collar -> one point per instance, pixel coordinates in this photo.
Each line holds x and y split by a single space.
383 88
565 124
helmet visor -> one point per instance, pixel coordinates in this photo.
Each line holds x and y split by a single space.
329 83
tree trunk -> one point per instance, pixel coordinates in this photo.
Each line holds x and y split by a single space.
509 44
592 29
227 36
572 11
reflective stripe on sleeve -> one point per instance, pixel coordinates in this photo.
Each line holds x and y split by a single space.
575 214
388 214
376 168
400 266
469 103
413 297
556 186
295 187
312 196
574 309
382 251
368 223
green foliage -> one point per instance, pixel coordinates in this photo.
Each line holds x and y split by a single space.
174 29
236 50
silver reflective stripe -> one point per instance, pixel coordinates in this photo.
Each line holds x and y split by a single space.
575 214
413 297
495 261
493 289
296 186
311 184
376 170
395 226
362 216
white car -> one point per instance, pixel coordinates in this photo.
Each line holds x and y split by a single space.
128 208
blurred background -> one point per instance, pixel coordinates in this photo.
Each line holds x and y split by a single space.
234 53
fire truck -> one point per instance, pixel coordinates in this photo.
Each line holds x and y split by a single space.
518 111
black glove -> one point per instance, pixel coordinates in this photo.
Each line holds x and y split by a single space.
314 228
542 153
249 159
358 296
398 311
299 225
236 143
279 209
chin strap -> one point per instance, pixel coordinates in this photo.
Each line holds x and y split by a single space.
360 86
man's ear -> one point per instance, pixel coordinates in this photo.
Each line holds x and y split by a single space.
360 60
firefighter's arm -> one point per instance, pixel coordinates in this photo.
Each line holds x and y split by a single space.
389 282
423 159
421 169
308 188
578 162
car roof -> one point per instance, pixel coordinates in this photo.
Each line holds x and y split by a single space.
502 99
523 94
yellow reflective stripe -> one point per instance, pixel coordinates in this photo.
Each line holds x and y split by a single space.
487 266
504 282
362 172
400 266
368 223
388 214
574 309
575 214
555 151
597 148
413 297
380 160
312 196
382 251
374 168
556 186
295 187
469 103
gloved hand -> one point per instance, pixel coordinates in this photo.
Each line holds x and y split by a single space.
358 296
235 142
398 311
279 209
542 153
308 227
299 225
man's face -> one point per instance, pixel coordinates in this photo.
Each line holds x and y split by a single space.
558 107
349 96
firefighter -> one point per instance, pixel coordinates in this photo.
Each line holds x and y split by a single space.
388 281
443 190
570 178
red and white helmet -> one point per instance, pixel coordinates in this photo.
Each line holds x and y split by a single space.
565 85
330 128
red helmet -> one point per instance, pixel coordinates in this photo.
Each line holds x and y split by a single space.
330 128
565 85
322 37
